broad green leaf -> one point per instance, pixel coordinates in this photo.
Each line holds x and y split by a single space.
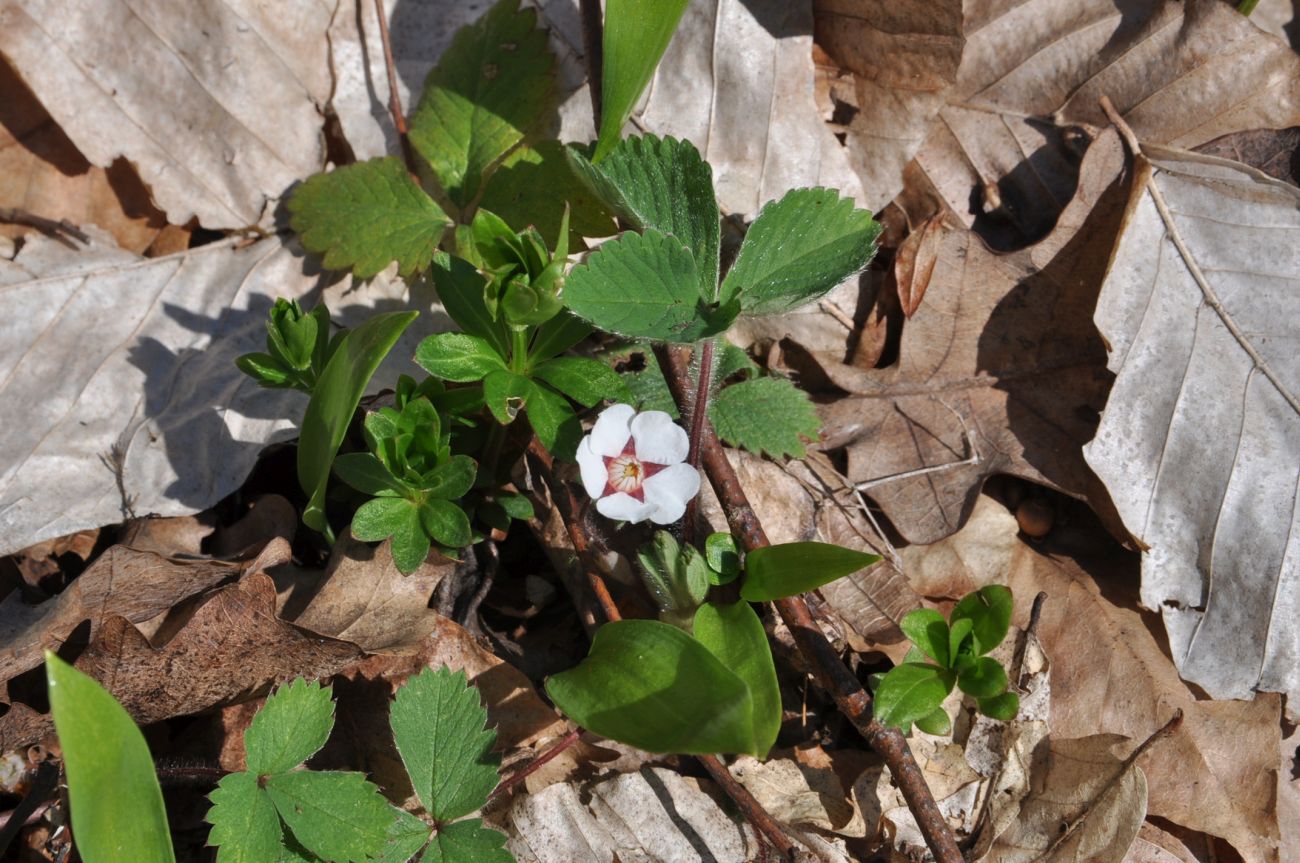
984 679
379 519
911 692
928 631
245 828
366 473
266 370
723 557
458 357
439 726
490 87
338 392
652 686
515 505
460 287
791 568
644 286
663 183
407 835
410 541
445 522
584 380
989 611
637 33
367 215
1003 707
531 188
290 728
734 634
557 335
557 427
798 249
117 806
468 841
957 634
337 816
767 416
937 722
451 479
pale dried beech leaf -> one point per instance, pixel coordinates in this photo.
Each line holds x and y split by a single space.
1217 772
996 374
1085 807
105 352
1199 444
785 788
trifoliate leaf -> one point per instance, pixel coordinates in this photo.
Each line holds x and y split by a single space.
245 828
336 816
798 249
468 841
290 728
765 415
367 215
586 381
406 836
644 286
490 87
531 188
438 725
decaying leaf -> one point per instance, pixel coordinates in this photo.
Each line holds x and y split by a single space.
995 373
1199 444
783 787
1217 772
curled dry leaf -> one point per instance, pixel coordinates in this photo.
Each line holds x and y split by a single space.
996 372
914 263
1199 444
1217 772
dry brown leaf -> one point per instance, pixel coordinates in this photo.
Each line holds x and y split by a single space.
269 516
915 261
122 582
999 363
797 794
1272 151
178 536
1217 772
1085 807
234 645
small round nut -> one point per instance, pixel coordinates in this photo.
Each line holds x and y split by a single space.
1035 517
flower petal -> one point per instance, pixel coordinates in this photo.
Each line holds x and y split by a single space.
592 465
659 439
668 492
610 433
624 507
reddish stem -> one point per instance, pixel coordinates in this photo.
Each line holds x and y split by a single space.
536 764
394 97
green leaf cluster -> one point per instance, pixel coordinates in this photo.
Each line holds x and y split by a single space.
662 284
679 576
948 653
298 346
276 811
415 481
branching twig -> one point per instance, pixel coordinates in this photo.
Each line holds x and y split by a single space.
820 656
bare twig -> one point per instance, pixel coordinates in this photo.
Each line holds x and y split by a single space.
394 96
56 228
533 766
821 658
593 52
763 823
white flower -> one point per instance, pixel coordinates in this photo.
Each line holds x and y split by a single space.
633 466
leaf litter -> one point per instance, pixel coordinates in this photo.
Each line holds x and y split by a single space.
991 382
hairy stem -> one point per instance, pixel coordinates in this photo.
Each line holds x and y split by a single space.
822 660
699 414
533 766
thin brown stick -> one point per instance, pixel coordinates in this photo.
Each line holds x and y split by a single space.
536 764
753 811
593 47
394 97
822 660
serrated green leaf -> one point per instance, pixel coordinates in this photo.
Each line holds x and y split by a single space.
938 722
337 816
989 611
337 394
911 692
928 631
245 827
766 416
680 699
637 33
1003 707
366 473
791 568
439 727
407 835
117 806
490 87
379 519
734 634
729 360
586 381
468 841
531 188
644 286
555 423
291 727
458 357
664 184
460 287
446 523
365 216
984 679
798 249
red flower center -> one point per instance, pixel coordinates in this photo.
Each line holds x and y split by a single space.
627 473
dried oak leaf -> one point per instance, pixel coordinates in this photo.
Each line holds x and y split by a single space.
232 646
1001 361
